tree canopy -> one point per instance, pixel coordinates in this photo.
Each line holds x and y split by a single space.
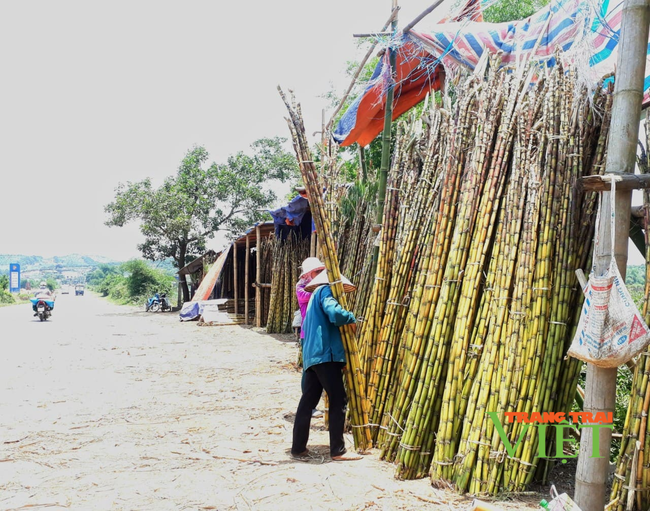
511 10
178 217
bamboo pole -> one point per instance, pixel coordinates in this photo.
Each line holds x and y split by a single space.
362 164
385 137
600 390
246 278
235 280
426 12
258 271
392 16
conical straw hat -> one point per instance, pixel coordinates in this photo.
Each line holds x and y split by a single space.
310 264
322 278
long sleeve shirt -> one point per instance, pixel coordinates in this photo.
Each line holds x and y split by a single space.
322 342
303 300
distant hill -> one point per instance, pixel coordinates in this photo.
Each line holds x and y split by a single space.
70 262
28 263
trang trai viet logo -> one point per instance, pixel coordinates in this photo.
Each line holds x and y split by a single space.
544 420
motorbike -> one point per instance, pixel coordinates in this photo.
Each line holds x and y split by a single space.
42 307
158 302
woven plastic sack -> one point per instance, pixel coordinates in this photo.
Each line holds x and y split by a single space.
611 329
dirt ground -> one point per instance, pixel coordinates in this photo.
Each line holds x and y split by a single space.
107 407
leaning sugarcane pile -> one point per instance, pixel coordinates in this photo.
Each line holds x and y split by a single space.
286 255
354 376
475 297
632 477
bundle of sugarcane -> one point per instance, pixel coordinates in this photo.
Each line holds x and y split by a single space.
287 256
354 376
266 274
632 478
374 312
465 248
354 238
490 319
420 196
412 354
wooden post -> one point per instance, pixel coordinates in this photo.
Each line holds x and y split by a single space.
362 163
600 389
312 247
235 277
246 278
258 278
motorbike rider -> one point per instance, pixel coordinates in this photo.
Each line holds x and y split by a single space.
42 292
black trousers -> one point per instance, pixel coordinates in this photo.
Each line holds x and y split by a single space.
326 376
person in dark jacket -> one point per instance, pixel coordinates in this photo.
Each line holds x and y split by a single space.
323 362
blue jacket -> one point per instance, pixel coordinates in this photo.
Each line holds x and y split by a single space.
322 341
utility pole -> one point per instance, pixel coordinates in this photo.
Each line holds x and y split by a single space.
600 389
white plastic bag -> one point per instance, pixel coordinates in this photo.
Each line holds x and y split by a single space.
611 329
297 320
560 502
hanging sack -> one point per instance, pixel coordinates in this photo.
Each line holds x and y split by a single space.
611 330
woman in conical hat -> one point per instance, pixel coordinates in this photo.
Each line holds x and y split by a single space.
323 360
310 267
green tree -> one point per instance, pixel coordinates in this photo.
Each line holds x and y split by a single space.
95 277
51 283
4 282
511 10
178 218
141 279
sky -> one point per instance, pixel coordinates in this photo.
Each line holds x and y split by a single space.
97 93
93 94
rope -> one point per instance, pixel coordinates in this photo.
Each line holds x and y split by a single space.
396 423
500 456
647 488
410 447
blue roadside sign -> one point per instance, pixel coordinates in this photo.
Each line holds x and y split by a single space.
14 278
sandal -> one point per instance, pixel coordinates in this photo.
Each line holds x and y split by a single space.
347 456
